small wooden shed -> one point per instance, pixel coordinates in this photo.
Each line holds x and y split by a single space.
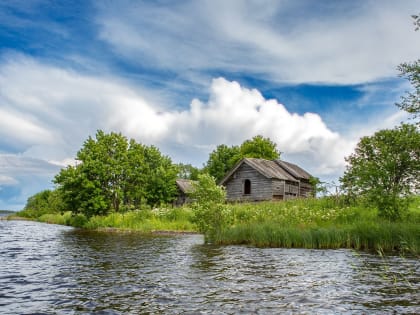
185 186
258 179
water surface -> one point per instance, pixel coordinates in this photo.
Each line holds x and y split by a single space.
50 269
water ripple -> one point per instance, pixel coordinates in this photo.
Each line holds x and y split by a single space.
48 269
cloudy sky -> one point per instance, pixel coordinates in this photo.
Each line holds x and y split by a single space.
314 76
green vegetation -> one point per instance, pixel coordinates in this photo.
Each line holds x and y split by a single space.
44 202
114 174
411 101
224 158
321 223
385 169
211 214
145 220
327 222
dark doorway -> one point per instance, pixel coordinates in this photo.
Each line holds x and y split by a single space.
247 187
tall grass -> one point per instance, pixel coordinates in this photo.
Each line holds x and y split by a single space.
306 223
146 220
163 219
320 223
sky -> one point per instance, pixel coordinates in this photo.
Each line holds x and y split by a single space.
186 76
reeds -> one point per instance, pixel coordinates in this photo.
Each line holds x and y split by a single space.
320 223
305 223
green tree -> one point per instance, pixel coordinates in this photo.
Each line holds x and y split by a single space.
113 173
222 160
318 187
210 210
160 177
416 21
46 201
385 168
259 147
411 101
187 171
411 71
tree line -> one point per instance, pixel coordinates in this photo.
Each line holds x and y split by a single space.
114 173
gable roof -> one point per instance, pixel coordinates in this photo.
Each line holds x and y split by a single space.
267 168
185 185
295 170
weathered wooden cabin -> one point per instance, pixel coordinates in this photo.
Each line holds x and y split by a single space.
185 186
258 179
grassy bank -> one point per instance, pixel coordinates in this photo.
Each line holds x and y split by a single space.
322 223
305 223
146 220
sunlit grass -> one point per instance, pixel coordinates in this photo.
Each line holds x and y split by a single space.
305 223
320 223
162 219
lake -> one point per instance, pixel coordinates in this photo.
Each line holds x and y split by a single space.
50 269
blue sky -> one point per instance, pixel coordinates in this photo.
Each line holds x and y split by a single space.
314 76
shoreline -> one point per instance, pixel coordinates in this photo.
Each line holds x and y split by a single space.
109 229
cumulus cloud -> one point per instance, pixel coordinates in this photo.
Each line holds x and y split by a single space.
54 110
64 107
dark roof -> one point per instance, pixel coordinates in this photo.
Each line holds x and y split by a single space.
271 169
185 185
295 170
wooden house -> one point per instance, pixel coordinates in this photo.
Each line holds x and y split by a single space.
184 186
258 179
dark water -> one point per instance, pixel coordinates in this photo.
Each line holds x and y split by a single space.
48 269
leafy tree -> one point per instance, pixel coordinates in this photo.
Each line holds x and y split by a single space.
104 160
187 171
222 160
416 21
411 101
46 201
318 187
210 211
385 168
113 173
259 147
411 71
160 177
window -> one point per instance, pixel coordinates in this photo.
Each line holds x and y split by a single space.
247 187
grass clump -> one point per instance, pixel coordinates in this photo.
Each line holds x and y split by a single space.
306 223
321 223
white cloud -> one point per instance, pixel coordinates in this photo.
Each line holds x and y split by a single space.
288 41
55 110
7 181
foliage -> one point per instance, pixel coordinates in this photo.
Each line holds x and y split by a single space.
159 177
187 171
210 211
46 201
318 187
411 101
416 21
224 158
259 147
114 174
327 222
411 71
146 220
385 169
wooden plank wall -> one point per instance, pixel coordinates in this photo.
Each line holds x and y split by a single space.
261 187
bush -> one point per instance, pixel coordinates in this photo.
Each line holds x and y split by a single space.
78 220
211 214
